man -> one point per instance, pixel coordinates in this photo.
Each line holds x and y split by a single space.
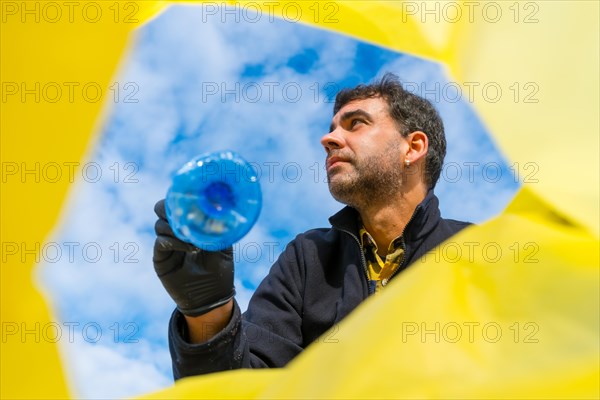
385 150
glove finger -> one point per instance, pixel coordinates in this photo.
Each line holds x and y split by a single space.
165 232
166 261
159 209
162 227
167 243
216 259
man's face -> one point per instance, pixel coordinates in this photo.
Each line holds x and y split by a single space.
365 153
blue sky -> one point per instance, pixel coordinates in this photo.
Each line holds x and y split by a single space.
194 83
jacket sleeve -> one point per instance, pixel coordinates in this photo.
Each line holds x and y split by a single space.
269 334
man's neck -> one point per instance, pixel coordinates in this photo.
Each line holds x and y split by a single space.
387 220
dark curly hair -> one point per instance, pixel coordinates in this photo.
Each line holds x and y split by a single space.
411 113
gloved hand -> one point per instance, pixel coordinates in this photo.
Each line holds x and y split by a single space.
197 280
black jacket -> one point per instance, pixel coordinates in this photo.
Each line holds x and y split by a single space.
318 280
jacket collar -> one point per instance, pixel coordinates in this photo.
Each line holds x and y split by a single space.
424 219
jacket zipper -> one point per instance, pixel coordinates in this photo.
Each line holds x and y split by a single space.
403 244
362 259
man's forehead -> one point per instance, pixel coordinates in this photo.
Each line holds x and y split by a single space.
371 105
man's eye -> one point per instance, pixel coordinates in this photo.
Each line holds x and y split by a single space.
355 122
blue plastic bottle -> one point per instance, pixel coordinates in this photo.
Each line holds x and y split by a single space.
214 200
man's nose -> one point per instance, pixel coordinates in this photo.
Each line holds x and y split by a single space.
332 140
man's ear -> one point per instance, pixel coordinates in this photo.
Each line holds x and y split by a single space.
418 144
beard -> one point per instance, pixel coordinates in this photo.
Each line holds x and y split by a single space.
369 180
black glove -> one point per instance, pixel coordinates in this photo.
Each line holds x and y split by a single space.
197 280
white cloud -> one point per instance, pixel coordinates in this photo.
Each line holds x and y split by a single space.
97 371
